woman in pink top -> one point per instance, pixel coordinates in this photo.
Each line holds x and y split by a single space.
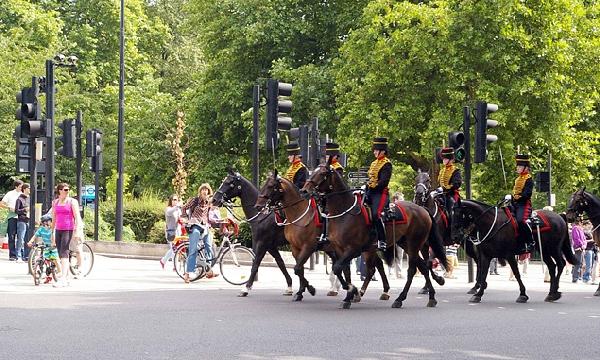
66 227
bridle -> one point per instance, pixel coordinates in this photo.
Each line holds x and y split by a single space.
226 201
580 206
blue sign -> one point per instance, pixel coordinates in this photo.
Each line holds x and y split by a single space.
88 193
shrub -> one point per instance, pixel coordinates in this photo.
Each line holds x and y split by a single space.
157 233
140 214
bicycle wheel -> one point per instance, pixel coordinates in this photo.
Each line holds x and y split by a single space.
86 264
236 265
34 254
39 270
180 263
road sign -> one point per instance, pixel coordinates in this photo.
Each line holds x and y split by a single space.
358 175
88 193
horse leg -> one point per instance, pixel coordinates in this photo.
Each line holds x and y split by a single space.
472 252
299 271
410 274
386 284
281 264
483 264
553 294
429 256
423 268
351 290
260 254
515 269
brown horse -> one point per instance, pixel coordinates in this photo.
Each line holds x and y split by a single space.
350 232
302 232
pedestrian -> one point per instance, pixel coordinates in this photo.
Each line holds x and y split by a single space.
172 228
8 202
589 254
22 211
579 244
452 256
494 266
198 223
67 230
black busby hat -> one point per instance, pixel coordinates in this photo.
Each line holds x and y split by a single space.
380 143
447 153
332 149
522 159
293 148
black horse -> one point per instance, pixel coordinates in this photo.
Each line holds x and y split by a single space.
266 235
494 233
582 201
423 198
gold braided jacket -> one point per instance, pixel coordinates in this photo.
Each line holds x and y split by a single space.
374 171
445 175
336 165
519 184
293 169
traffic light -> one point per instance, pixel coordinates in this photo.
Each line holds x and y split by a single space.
275 109
30 111
67 138
93 149
482 138
456 140
542 181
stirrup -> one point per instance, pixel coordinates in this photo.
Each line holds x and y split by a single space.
381 245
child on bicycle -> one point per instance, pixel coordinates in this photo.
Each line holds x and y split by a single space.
44 233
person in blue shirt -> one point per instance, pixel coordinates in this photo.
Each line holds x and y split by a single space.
45 233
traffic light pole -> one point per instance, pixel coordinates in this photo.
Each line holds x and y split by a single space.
78 155
467 132
255 120
50 101
549 178
121 131
32 187
96 204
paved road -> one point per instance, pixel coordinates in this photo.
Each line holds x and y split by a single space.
131 309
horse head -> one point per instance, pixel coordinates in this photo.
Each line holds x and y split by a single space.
422 188
320 181
271 192
578 204
230 188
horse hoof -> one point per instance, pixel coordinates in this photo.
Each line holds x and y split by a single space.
311 290
332 293
553 297
471 292
297 297
424 291
357 298
440 280
432 303
522 299
597 293
397 304
345 305
384 296
243 294
475 299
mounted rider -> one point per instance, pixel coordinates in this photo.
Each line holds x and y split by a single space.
377 194
297 173
332 150
450 180
520 202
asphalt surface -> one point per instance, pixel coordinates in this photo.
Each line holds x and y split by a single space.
132 309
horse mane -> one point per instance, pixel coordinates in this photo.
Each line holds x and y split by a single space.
290 185
594 198
477 202
248 183
340 180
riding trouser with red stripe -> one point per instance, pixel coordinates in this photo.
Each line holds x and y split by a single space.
522 213
450 198
379 201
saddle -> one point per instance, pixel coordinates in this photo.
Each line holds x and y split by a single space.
536 219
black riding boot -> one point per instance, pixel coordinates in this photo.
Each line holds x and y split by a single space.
323 240
526 243
379 228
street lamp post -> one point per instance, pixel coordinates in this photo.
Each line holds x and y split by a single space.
121 130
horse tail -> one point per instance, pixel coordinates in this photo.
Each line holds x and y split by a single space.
390 255
435 242
567 250
564 217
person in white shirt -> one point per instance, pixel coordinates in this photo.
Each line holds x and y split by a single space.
8 202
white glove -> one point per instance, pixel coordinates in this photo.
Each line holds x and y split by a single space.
439 190
507 197
364 187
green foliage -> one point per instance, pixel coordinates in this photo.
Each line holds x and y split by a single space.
156 235
106 231
139 214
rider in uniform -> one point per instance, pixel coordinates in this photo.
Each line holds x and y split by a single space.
297 173
449 179
332 150
377 195
521 201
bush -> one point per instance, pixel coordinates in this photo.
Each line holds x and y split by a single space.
106 231
157 233
140 214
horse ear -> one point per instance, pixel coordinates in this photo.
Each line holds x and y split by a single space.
583 189
275 173
230 170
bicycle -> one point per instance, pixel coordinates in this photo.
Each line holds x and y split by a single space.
234 261
87 259
39 265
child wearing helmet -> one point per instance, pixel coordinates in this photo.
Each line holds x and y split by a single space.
44 233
